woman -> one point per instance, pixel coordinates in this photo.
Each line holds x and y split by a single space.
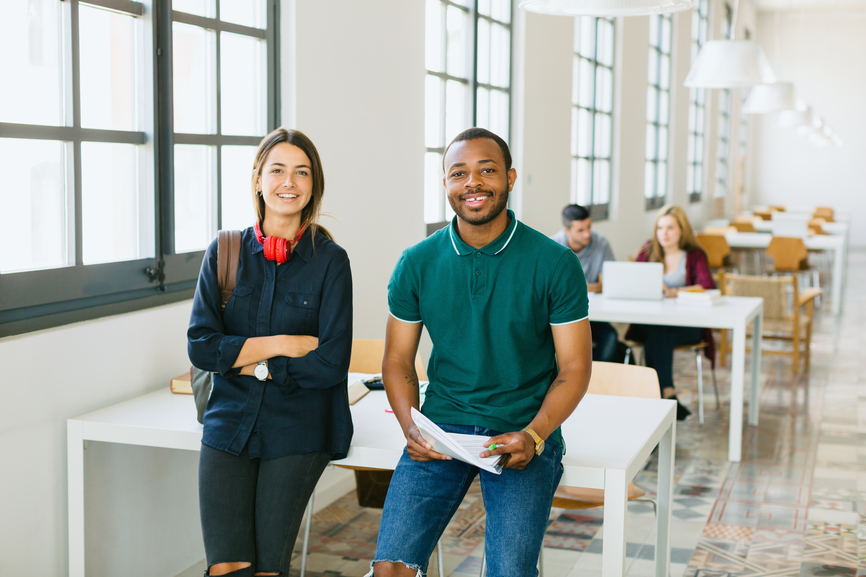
686 268
280 350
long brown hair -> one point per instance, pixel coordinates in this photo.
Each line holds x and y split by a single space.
687 238
310 213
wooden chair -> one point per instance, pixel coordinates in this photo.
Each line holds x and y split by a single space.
722 230
716 247
816 225
783 317
743 226
824 212
778 208
765 214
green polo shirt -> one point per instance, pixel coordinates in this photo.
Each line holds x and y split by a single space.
488 312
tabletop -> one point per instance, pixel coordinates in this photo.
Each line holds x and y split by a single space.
725 314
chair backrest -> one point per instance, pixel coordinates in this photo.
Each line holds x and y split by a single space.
816 225
824 212
778 208
722 230
743 226
367 357
774 291
624 380
716 247
787 252
765 214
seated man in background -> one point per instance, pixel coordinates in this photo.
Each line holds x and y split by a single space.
592 250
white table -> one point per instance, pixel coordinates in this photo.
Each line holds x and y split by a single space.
732 313
608 438
834 243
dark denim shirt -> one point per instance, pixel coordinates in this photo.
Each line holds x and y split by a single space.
305 407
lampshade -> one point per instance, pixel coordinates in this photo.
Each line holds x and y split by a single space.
730 64
765 98
604 7
789 118
814 127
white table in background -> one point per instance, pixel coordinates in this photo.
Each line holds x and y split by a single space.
834 243
732 313
609 440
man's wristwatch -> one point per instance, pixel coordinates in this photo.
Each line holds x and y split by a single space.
261 370
539 442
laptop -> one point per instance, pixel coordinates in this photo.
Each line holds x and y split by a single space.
791 225
632 280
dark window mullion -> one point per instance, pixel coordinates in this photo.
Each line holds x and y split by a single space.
76 126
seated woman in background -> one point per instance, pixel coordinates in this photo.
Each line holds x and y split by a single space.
686 267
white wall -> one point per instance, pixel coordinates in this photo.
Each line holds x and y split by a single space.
822 54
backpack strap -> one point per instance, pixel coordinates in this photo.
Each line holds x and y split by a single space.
228 257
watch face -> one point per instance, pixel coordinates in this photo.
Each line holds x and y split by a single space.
540 448
261 372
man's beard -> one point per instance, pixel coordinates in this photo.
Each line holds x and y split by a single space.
479 218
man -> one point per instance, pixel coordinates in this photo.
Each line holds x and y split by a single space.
592 250
506 309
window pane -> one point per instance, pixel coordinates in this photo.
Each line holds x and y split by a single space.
661 179
484 7
586 84
243 82
457 22
194 226
107 69
433 36
691 147
584 132
111 226
664 106
699 178
504 47
586 37
501 10
500 114
651 140
434 192
602 135
601 182
663 142
693 110
699 149
194 84
199 7
666 35
653 68
30 41
484 55
482 110
433 111
665 72
654 30
584 181
690 178
699 127
574 131
605 42
456 121
33 220
237 191
649 180
604 89
651 104
245 12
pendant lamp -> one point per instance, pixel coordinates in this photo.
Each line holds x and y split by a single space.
813 127
604 7
790 118
770 98
730 64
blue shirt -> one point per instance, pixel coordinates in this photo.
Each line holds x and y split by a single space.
305 407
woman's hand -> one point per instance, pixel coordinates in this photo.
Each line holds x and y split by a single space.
670 292
299 345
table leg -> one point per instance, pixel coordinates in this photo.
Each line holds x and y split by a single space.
75 495
838 279
756 369
615 503
738 368
667 448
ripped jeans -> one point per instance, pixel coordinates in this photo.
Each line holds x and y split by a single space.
423 497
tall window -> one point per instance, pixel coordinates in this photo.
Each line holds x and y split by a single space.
128 149
468 60
697 108
722 169
658 111
592 113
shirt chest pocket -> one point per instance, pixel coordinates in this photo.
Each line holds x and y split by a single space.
237 316
301 313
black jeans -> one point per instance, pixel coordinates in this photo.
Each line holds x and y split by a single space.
659 343
605 337
251 509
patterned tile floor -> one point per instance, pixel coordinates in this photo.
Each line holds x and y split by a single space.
795 506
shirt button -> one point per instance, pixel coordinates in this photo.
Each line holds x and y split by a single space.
477 254
478 273
305 302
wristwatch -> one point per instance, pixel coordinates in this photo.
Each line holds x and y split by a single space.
539 442
261 370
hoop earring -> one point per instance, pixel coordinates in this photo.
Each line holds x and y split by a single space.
258 193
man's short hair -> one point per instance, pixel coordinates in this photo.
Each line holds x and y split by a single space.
573 212
475 133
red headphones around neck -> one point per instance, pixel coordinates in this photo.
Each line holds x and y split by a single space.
276 248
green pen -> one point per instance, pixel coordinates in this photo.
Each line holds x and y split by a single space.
493 446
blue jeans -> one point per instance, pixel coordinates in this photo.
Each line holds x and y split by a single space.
423 497
604 336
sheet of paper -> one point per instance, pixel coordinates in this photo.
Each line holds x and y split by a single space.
465 448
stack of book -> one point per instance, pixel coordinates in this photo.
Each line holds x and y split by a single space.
706 298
